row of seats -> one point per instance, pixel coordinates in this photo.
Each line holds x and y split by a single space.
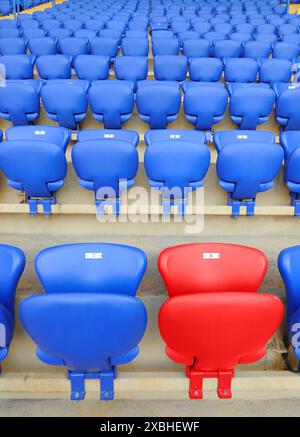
133 46
176 162
7 6
98 282
158 102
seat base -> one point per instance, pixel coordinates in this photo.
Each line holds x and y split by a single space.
196 382
106 379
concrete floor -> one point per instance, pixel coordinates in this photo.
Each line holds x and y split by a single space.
151 408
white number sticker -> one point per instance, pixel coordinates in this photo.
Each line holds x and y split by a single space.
211 255
93 255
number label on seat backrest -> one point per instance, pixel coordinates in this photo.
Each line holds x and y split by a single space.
211 255
93 255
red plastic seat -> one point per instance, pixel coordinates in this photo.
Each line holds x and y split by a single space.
214 319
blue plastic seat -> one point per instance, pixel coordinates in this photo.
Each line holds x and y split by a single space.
17 66
288 264
111 33
268 38
51 24
286 29
158 102
205 69
176 162
59 33
266 28
285 50
42 46
223 138
29 24
12 46
51 134
136 34
98 320
227 49
138 25
131 68
257 49
250 105
165 46
35 167
53 67
104 47
291 146
33 33
106 162
196 48
85 34
72 25
226 28
135 47
240 70
162 34
202 27
233 163
9 33
245 28
12 263
73 47
95 25
189 35
275 70
204 104
170 68
112 102
292 38
92 67
287 106
19 102
212 37
71 107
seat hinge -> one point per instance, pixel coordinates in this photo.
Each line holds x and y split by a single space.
295 202
236 205
45 202
196 382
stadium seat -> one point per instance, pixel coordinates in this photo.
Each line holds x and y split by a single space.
72 25
90 294
51 24
266 28
227 49
266 38
95 25
176 162
287 106
12 46
215 282
233 163
71 107
59 33
205 69
85 34
165 46
9 33
158 102
290 141
136 34
288 265
73 47
223 138
204 103
131 68
106 162
19 102
170 68
226 28
36 167
112 102
135 47
105 47
42 46
275 70
257 49
292 38
242 70
53 67
250 105
92 67
285 50
50 134
196 48
12 263
286 29
245 28
17 66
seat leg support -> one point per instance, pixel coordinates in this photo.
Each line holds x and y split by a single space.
295 202
46 203
196 383
236 205
106 379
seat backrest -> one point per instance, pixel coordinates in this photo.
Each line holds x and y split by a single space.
18 100
290 141
158 101
42 46
288 264
211 267
96 25
245 28
257 49
233 166
227 49
106 164
135 47
285 50
217 331
100 268
287 107
176 162
59 33
223 138
165 46
196 48
52 134
17 66
12 46
92 67
206 69
73 46
104 46
33 165
84 332
275 70
250 103
131 68
240 70
170 67
85 34
72 25
53 67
